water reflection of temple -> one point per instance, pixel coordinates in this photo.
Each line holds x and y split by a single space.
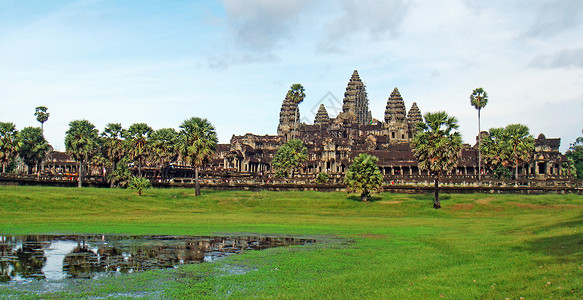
23 258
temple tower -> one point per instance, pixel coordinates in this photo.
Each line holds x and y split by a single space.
413 117
355 102
289 116
396 118
322 117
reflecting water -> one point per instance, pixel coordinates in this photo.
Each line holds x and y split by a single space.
50 257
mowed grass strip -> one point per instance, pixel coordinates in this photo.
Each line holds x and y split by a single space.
479 246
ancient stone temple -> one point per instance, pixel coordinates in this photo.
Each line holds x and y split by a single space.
333 142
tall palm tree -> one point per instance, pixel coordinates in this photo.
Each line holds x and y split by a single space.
493 148
113 148
197 143
519 144
42 116
8 143
297 93
479 99
82 143
437 146
137 141
164 148
32 147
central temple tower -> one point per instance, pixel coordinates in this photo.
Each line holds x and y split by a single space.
355 104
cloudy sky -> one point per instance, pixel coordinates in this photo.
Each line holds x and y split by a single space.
230 61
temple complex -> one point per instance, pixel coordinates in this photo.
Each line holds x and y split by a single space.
333 142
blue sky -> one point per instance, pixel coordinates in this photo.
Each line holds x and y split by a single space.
161 62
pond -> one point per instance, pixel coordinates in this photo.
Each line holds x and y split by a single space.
60 257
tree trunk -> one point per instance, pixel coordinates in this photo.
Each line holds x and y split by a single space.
3 168
166 171
479 149
197 184
80 177
364 196
436 203
113 168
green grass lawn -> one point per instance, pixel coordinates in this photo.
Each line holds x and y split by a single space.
397 246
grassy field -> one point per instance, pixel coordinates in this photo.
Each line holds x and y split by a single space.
478 246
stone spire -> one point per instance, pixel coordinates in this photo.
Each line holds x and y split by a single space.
395 110
356 100
322 117
414 116
288 116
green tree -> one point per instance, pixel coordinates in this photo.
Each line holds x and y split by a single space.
42 116
363 176
121 175
479 99
32 147
112 147
8 143
197 142
494 149
289 158
508 147
137 142
139 184
575 153
164 148
297 94
82 143
322 177
520 145
437 146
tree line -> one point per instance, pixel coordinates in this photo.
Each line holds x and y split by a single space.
115 148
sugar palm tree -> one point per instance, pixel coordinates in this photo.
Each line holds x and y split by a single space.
8 143
479 99
164 144
437 146
197 142
289 157
520 145
42 116
82 143
364 176
33 147
113 148
297 94
137 142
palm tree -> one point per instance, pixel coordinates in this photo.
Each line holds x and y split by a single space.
493 149
164 144
479 99
289 157
297 94
42 116
8 143
437 147
364 176
113 148
197 143
82 143
520 145
32 146
137 141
